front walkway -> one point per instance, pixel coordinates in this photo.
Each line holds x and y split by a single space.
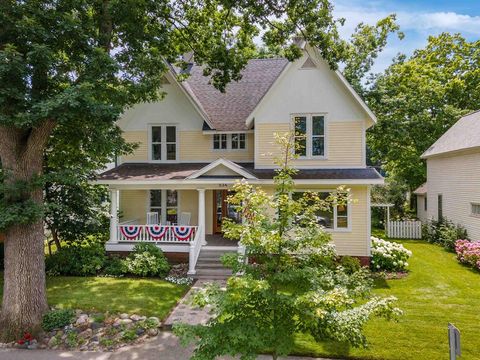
165 347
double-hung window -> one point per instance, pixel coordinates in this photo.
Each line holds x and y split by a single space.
163 143
165 203
237 141
337 218
475 209
309 135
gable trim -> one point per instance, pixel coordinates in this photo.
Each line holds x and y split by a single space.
228 164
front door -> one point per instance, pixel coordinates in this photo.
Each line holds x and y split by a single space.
222 210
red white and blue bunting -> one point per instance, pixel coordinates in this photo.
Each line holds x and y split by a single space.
131 231
182 233
157 232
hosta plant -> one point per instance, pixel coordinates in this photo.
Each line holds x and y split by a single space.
389 256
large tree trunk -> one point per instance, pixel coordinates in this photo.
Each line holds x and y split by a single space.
24 294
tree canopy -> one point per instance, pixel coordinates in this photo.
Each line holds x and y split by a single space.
417 99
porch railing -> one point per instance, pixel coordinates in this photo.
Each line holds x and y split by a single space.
156 233
194 251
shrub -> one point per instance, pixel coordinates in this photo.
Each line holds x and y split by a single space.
114 266
444 233
350 264
77 259
468 252
389 256
57 319
147 260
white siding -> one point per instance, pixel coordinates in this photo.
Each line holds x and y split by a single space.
422 215
457 178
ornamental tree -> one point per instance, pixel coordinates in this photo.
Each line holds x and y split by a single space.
291 282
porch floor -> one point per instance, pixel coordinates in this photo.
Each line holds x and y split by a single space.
219 240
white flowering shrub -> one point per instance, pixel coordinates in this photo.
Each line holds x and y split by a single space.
179 280
389 256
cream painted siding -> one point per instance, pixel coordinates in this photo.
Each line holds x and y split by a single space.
133 205
457 178
141 152
194 146
188 202
345 146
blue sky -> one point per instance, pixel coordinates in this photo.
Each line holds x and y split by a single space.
417 18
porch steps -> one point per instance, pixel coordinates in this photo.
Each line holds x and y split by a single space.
209 266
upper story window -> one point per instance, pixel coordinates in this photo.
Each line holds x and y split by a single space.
163 143
475 209
310 135
230 141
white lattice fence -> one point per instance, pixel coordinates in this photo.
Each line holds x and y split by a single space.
404 229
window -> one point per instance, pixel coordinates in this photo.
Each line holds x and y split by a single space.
476 209
165 203
309 135
230 141
425 202
164 143
220 141
336 219
440 207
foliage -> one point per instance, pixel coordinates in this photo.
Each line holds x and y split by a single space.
392 192
389 256
77 259
468 252
417 99
350 264
179 280
147 260
444 233
114 266
283 293
57 318
2 254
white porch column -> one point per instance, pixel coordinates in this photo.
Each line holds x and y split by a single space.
201 214
113 216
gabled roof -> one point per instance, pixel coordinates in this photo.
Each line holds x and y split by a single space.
463 135
235 169
421 190
228 111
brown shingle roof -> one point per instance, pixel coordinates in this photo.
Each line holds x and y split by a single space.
421 190
148 171
229 111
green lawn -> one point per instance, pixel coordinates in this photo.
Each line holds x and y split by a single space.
437 291
150 297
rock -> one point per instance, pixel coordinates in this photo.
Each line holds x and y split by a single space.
152 332
95 325
52 333
59 333
142 318
95 338
32 346
52 342
83 348
122 322
82 319
135 317
86 334
124 316
42 346
139 331
78 312
155 320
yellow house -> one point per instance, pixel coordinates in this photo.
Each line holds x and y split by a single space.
197 142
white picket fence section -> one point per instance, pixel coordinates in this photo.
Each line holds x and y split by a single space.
404 229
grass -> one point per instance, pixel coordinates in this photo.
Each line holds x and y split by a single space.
150 297
437 291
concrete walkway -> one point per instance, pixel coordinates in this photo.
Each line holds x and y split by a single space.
165 347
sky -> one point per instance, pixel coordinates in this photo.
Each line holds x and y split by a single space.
417 19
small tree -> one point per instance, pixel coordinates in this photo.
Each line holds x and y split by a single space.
291 283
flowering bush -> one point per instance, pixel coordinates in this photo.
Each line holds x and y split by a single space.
179 280
389 256
26 340
468 252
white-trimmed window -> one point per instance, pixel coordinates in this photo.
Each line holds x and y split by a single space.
475 209
165 203
310 135
163 143
338 218
237 141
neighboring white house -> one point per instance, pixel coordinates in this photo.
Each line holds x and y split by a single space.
452 190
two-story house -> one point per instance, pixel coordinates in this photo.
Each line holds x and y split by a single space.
197 142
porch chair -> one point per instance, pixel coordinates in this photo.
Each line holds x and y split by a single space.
184 218
152 218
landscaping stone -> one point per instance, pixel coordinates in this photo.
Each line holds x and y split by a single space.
140 331
86 334
82 319
135 317
124 316
95 325
152 332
